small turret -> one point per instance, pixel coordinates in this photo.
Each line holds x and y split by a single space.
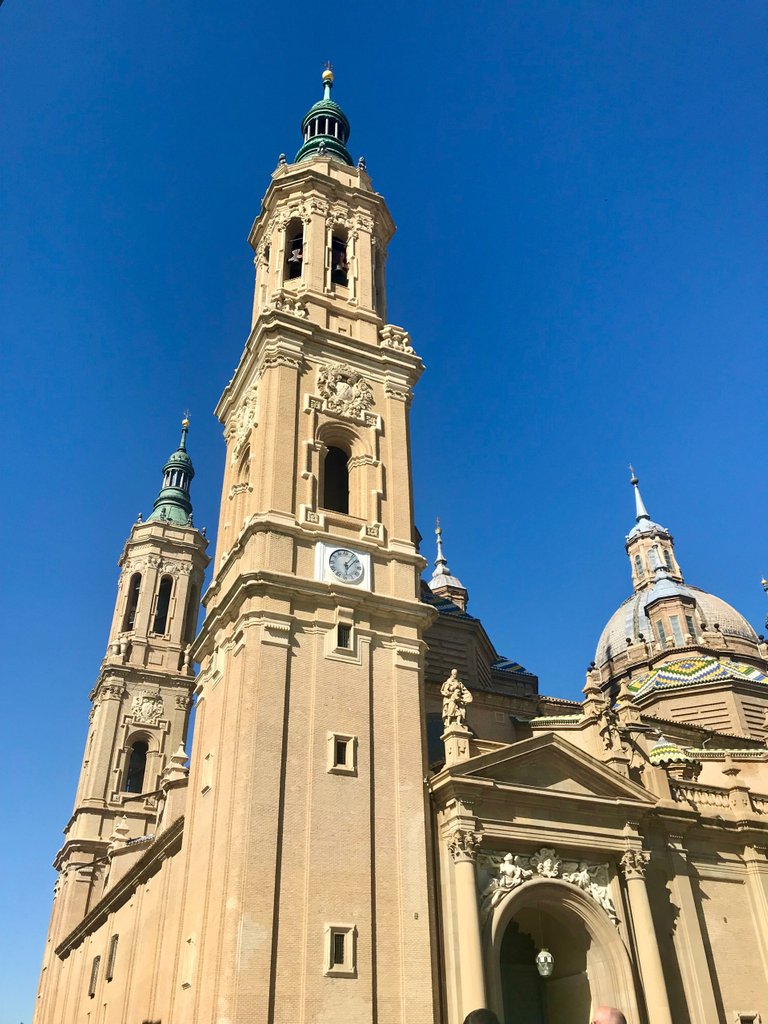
443 583
325 127
650 546
173 503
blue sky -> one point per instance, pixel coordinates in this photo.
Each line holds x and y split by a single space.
579 189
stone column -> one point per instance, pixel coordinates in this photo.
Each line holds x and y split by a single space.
756 862
689 942
657 1002
463 843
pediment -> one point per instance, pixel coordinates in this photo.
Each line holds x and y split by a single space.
551 763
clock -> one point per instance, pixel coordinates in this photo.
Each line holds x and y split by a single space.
345 565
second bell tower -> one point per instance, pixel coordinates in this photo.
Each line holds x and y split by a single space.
308 803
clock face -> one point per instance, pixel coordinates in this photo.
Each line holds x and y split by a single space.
345 565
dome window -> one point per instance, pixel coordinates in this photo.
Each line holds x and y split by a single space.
691 627
638 565
668 559
677 633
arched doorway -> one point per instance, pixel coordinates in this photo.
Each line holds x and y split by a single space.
563 998
592 965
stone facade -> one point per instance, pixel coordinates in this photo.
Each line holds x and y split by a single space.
383 820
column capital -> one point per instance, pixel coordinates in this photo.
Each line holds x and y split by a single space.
463 844
634 863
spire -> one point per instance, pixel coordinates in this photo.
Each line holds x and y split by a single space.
325 127
441 562
643 521
640 509
442 582
173 504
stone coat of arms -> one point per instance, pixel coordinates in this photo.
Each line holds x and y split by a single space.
147 708
344 391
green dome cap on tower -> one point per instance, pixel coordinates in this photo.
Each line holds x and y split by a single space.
173 505
325 127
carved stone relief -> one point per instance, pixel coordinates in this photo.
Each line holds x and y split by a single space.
344 391
396 338
463 844
284 303
241 422
147 708
634 863
507 872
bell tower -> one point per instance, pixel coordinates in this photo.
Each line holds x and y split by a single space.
307 814
143 694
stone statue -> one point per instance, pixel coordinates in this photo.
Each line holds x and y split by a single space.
455 699
512 872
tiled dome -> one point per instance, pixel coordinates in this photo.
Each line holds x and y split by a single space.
630 619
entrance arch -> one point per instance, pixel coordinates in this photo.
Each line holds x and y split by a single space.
592 966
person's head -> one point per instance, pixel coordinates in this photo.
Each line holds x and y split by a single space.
481 1017
608 1015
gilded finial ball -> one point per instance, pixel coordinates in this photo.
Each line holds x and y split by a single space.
328 76
185 422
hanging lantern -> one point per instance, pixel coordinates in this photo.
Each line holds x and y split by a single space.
545 963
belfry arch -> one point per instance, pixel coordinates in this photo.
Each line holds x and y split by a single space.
592 965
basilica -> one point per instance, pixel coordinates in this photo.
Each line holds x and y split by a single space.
377 818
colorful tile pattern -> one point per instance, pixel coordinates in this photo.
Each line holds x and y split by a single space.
694 672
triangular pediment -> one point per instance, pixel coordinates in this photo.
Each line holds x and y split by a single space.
551 763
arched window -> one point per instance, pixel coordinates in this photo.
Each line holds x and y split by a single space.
336 481
190 615
134 588
339 262
294 250
244 466
137 765
163 603
638 565
668 558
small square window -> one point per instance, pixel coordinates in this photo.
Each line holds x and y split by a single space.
340 951
344 636
342 754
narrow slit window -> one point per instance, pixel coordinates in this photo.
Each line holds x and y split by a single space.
638 565
111 958
690 625
339 943
137 766
94 976
163 604
134 589
668 558
340 752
